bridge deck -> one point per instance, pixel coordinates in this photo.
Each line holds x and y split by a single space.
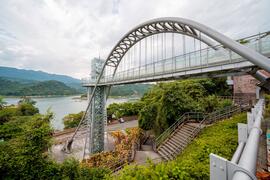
207 62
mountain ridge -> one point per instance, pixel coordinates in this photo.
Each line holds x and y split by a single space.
38 88
10 72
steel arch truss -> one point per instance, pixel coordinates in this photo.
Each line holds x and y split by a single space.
148 29
185 27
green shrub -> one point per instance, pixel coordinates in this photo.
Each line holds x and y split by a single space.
27 109
24 145
7 113
147 116
124 109
72 120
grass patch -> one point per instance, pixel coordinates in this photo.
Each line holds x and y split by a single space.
193 163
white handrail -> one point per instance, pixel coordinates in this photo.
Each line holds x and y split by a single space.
248 158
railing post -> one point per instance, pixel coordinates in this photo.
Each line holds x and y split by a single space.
260 43
207 56
189 63
230 54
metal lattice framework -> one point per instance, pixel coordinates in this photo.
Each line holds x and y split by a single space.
168 25
148 29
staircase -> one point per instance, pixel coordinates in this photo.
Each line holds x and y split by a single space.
171 143
177 141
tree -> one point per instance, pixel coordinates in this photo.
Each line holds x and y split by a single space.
26 109
72 120
164 103
28 100
2 102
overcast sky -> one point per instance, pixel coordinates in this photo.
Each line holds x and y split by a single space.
62 36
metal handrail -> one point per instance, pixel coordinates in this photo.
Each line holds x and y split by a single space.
194 133
169 130
185 117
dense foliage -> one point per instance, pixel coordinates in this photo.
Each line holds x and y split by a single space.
25 107
16 88
24 147
124 109
166 102
72 120
193 163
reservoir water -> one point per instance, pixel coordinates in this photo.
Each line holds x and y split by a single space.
62 106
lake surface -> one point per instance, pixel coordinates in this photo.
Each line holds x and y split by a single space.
62 106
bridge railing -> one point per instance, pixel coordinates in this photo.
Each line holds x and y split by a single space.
214 117
243 163
194 60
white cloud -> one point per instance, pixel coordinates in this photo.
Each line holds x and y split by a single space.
61 36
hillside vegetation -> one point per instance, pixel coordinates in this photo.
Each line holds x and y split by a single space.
193 163
15 88
26 137
15 73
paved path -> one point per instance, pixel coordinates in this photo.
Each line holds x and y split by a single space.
121 126
79 141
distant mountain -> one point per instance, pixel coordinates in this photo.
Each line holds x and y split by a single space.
18 82
15 88
14 73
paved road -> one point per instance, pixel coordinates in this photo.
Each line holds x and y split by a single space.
122 126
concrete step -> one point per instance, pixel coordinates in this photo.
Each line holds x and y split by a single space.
175 142
194 125
188 131
182 142
185 131
165 154
170 147
189 127
179 148
182 135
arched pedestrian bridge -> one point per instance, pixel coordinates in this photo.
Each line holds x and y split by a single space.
166 49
